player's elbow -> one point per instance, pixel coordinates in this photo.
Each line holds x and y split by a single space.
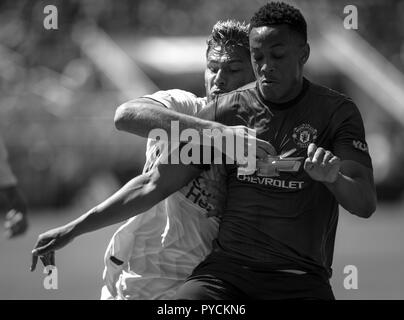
366 210
120 117
124 115
371 208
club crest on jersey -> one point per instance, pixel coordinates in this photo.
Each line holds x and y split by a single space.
304 134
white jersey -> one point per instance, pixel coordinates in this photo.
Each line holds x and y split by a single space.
160 248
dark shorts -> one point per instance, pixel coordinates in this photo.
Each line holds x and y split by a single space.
224 279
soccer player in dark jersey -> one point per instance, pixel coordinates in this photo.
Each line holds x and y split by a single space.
276 238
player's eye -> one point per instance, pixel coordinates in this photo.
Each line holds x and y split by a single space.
278 55
214 69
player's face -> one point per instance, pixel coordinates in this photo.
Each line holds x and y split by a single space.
228 68
277 56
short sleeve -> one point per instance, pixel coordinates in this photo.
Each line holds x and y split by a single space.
179 100
349 141
7 177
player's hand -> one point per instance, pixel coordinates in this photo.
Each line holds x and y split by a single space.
264 149
47 243
16 223
321 165
247 136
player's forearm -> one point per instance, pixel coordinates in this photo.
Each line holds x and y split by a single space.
140 116
137 196
356 195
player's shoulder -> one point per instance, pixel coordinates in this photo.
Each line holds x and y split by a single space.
331 95
179 100
177 94
330 98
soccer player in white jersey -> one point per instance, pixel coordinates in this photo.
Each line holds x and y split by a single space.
16 218
151 255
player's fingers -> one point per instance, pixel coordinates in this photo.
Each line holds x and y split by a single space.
327 157
15 229
311 150
265 146
45 260
10 214
51 261
215 211
308 165
334 160
39 242
34 261
40 251
318 156
52 258
10 229
17 226
7 224
46 263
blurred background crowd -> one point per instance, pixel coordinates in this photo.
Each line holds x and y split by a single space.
59 88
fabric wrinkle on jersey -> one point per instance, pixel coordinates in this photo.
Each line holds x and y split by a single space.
160 248
286 222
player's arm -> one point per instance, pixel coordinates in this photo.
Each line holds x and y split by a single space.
142 115
137 196
350 182
347 169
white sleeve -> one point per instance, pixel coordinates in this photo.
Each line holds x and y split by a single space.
7 177
178 100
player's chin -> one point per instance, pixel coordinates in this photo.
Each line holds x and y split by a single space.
270 92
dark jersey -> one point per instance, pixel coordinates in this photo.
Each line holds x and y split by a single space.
289 221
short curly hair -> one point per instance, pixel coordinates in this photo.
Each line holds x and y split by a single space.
276 13
229 33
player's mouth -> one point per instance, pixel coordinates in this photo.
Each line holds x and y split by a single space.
269 81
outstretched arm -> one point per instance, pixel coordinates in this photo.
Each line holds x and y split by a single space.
137 196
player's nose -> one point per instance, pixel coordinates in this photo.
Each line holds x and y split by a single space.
220 79
267 67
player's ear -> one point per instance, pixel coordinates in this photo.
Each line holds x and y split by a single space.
304 53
